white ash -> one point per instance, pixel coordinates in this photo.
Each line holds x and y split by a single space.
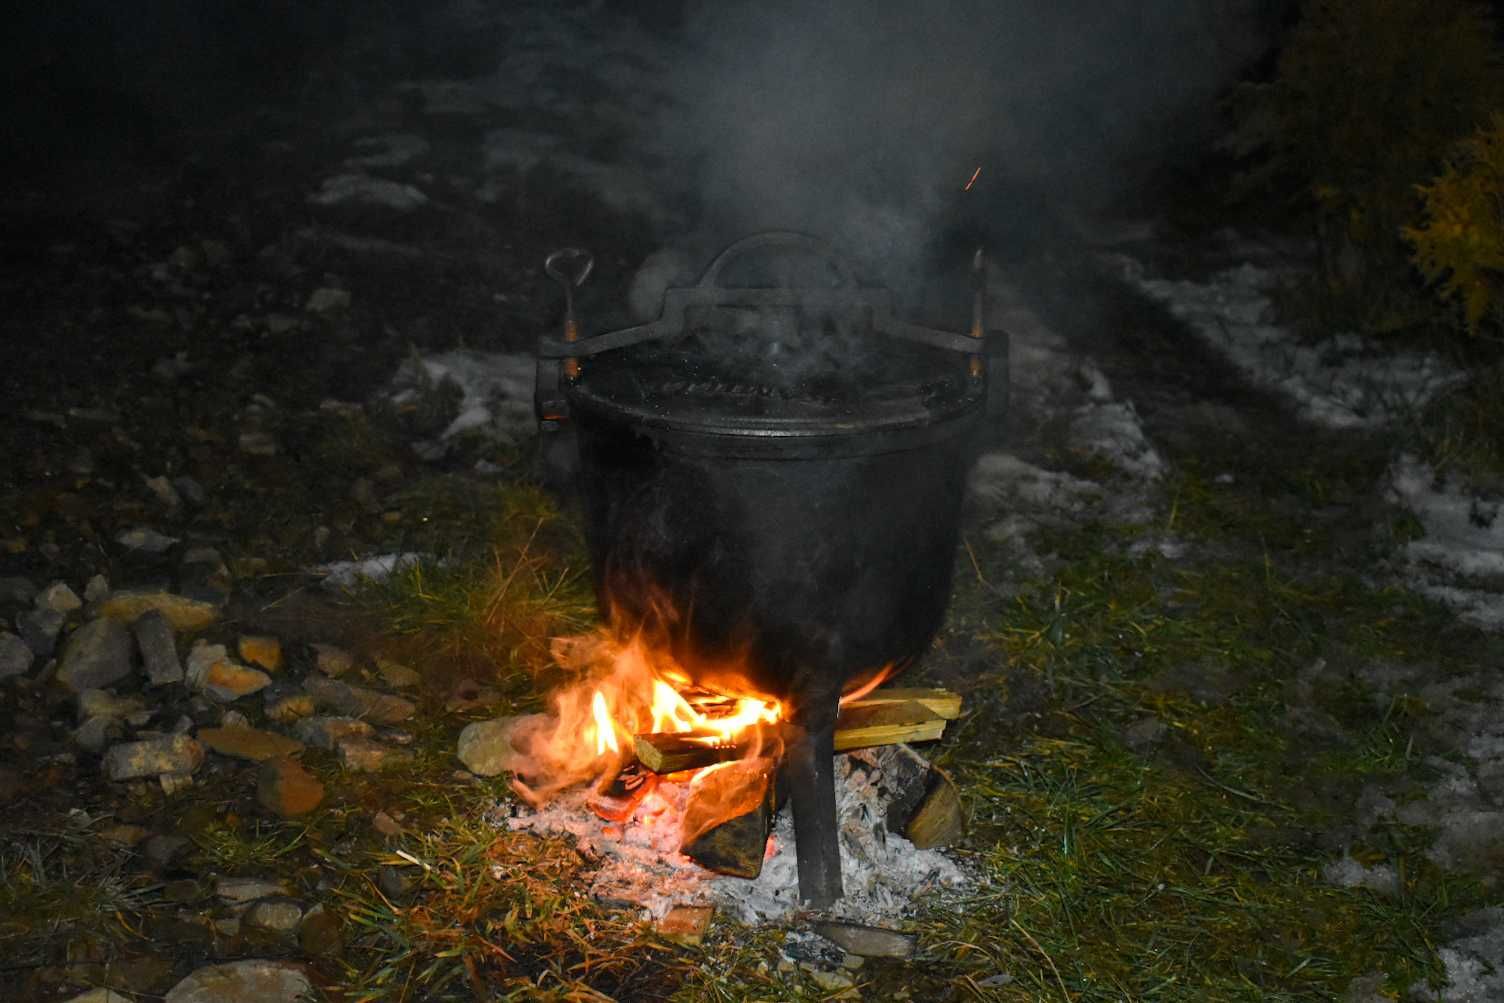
883 874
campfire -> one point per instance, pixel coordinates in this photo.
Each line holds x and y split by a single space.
771 476
661 777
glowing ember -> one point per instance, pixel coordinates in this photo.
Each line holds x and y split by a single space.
973 180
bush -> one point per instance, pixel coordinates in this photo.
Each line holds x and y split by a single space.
1459 248
1368 98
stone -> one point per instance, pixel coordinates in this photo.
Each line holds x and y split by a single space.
395 883
202 575
397 675
254 442
468 695
146 540
321 934
95 655
485 747
60 597
249 743
96 588
357 701
325 732
174 783
149 757
260 650
190 490
386 825
285 788
277 914
253 980
160 850
867 941
159 649
39 628
15 656
184 614
211 670
97 733
366 755
14 589
332 661
244 890
100 996
124 835
165 493
328 301
103 703
289 707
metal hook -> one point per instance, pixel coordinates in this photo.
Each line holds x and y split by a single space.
570 267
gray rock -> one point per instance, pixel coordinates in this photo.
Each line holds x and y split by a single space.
15 656
160 850
357 701
165 493
326 732
367 755
363 190
244 890
60 597
95 656
39 629
191 491
17 590
98 732
96 588
146 540
170 754
867 941
204 576
211 670
158 646
103 703
254 442
332 661
278 914
327 300
100 996
253 980
485 747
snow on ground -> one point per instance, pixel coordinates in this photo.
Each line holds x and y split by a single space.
1342 381
1460 560
496 390
347 574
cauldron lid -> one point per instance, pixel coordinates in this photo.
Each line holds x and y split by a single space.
821 355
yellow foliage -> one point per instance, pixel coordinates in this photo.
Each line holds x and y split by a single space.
1459 247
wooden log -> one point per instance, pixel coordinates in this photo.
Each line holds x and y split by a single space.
925 806
885 724
686 924
867 941
668 752
616 800
728 817
943 702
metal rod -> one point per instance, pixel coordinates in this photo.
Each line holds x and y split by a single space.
809 764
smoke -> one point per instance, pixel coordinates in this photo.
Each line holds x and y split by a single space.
861 120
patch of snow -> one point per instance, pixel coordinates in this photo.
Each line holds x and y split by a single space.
364 190
1002 479
1340 382
1462 553
1114 433
344 574
1474 962
497 390
1349 873
395 149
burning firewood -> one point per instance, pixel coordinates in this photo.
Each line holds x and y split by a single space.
729 815
882 717
686 923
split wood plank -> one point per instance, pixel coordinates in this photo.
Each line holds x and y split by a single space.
945 703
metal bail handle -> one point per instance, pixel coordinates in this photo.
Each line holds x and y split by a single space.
570 267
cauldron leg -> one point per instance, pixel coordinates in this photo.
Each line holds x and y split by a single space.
809 764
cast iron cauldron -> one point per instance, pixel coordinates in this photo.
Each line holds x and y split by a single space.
772 476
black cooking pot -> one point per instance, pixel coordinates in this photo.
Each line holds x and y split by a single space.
772 476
